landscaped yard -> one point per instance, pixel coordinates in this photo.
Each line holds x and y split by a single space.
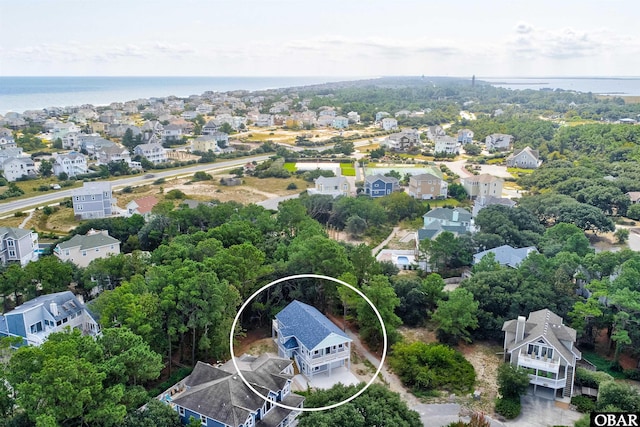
347 169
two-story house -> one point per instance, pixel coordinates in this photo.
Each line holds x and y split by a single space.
498 142
456 221
217 397
402 141
113 153
18 245
93 200
428 185
171 133
482 185
18 167
389 123
506 255
153 152
340 122
380 185
465 136
546 348
445 144
316 344
334 186
36 319
525 158
73 164
205 143
81 250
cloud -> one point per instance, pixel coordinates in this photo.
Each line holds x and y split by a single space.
566 43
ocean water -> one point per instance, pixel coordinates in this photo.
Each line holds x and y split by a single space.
629 86
31 93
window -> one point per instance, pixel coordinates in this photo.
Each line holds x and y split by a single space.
203 420
12 254
65 320
97 249
82 198
36 327
79 207
59 322
181 411
93 197
11 243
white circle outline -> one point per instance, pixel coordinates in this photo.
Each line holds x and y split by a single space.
306 276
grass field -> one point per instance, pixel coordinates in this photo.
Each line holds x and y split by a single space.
347 169
289 166
519 171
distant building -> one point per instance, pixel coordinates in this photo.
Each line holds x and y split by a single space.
446 144
38 318
498 142
482 185
18 245
212 142
93 200
428 186
113 153
81 250
381 115
380 185
506 255
353 117
334 186
73 164
340 122
483 201
172 133
525 158
141 206
465 136
389 123
402 141
438 220
153 152
18 167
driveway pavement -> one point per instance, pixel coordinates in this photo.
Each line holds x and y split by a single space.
540 412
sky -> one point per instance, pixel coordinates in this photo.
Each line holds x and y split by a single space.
496 38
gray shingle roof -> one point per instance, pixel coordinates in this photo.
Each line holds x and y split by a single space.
307 324
66 302
219 394
385 179
89 241
507 255
14 233
547 325
447 214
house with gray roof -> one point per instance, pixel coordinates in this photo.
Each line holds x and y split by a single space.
81 250
483 201
316 344
217 397
73 164
525 158
18 167
506 255
18 245
334 186
498 141
36 319
546 348
380 185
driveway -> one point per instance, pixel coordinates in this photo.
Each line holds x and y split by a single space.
540 412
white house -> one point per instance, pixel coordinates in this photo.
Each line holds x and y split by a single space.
315 343
498 141
18 167
525 158
334 186
153 152
340 122
446 144
482 185
389 123
73 164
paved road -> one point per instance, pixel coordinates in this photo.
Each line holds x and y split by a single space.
50 197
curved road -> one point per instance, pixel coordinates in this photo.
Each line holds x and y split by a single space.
55 195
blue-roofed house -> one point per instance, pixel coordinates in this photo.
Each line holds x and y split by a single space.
315 343
36 319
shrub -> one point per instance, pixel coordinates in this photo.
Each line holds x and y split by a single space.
591 379
159 181
508 407
292 186
583 404
175 194
127 189
19 214
632 374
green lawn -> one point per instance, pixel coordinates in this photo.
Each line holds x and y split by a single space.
602 364
347 169
291 167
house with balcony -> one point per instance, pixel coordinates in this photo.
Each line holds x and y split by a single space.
18 245
334 186
498 142
18 167
482 185
36 319
315 343
380 185
73 164
93 200
81 250
429 185
445 144
153 152
113 153
546 348
389 123
216 397
465 136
